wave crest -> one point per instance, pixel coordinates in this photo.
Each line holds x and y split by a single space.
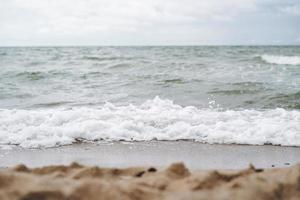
281 60
155 119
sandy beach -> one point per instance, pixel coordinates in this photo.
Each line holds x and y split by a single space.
150 170
174 182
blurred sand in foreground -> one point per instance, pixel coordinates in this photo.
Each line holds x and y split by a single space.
76 182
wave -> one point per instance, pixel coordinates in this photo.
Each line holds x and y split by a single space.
281 60
291 101
106 58
155 119
234 92
32 76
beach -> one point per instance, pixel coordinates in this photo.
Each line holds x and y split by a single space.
174 182
149 100
150 170
195 155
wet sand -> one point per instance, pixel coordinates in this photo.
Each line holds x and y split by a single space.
157 153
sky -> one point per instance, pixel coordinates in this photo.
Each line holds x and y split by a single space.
149 22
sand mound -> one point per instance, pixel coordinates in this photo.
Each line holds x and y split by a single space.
76 182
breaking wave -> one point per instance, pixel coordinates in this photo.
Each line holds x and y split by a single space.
156 119
281 60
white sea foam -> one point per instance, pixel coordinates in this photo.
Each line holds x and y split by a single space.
281 60
155 119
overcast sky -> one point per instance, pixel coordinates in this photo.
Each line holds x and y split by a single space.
149 22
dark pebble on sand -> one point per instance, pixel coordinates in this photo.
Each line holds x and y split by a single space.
259 170
272 165
139 174
286 163
152 169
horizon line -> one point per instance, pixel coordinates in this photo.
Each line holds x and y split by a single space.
134 45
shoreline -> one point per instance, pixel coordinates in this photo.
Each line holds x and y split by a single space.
195 155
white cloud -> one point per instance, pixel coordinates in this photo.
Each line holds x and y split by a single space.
89 15
111 20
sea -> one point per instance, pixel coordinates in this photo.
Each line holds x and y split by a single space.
54 96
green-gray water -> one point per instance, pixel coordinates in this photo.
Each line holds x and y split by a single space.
40 84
